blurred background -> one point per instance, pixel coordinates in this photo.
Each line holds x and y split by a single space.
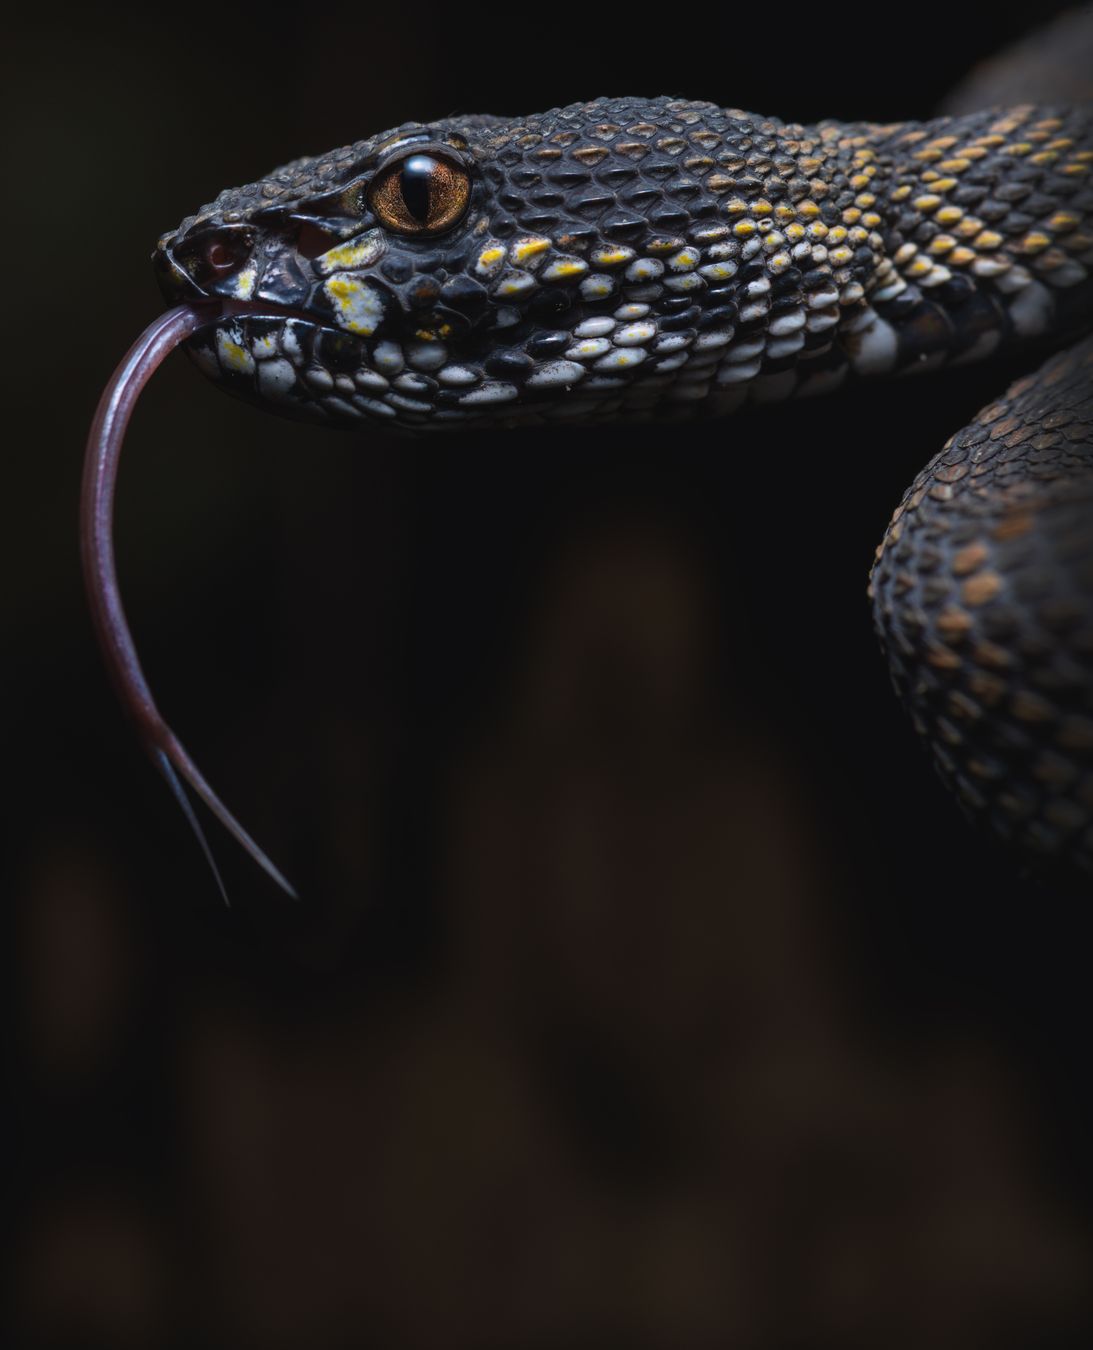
645 990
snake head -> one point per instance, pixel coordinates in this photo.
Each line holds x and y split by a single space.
480 270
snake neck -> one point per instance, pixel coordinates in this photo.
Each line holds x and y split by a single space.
985 223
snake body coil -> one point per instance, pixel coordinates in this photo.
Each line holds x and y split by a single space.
658 258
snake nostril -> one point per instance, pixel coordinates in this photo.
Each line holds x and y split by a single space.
222 257
208 259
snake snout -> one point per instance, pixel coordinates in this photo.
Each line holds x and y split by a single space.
211 261
174 281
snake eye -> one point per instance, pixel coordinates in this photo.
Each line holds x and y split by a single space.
421 194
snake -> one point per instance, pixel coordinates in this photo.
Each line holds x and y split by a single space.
662 260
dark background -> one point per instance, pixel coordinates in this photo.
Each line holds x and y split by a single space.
646 990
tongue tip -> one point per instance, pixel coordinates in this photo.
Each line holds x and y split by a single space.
108 428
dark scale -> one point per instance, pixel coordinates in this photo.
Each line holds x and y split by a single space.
548 344
542 222
510 364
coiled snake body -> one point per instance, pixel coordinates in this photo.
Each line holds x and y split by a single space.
664 259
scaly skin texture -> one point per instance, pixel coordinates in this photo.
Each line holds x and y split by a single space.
983 599
646 257
633 258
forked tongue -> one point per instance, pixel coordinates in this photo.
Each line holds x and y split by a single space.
104 444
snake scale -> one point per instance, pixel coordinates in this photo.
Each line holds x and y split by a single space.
666 259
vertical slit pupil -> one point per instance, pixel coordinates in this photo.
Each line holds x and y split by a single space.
415 184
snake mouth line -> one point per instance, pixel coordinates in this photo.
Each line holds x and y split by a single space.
271 309
222 310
